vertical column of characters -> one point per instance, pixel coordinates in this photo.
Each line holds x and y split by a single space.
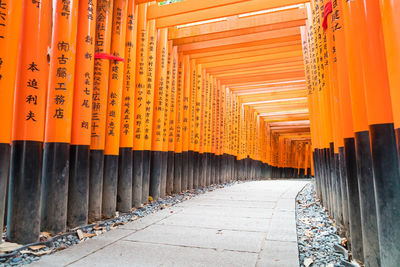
125 164
23 220
192 116
10 26
187 153
158 119
223 112
78 189
216 132
167 176
104 15
178 164
172 121
208 132
139 102
203 120
197 120
148 116
213 131
114 103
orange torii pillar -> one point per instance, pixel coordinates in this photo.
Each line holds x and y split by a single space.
148 111
362 136
113 116
125 170
179 179
174 131
338 141
168 171
139 103
23 220
99 107
192 157
187 183
158 119
202 135
380 120
170 119
78 190
54 194
391 28
194 108
10 36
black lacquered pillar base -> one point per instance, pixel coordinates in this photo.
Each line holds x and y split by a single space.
354 199
54 192
78 190
367 200
110 185
23 219
5 150
137 178
124 192
385 164
155 174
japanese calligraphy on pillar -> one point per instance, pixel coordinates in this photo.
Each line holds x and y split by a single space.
32 75
179 104
172 106
62 73
128 91
113 117
159 97
141 78
148 120
82 108
101 73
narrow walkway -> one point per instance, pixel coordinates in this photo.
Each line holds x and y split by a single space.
249 224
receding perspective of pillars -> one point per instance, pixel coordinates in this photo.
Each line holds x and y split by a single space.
115 107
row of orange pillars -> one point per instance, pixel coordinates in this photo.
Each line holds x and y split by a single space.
100 110
352 62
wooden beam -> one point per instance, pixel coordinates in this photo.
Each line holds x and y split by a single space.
272 62
247 38
264 78
247 54
222 11
156 11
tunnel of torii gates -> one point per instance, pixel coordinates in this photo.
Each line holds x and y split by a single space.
106 105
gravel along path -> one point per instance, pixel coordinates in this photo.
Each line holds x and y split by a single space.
318 242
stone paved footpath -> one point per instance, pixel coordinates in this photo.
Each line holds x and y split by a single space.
248 224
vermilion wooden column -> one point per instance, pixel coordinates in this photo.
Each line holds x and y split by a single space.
78 190
10 37
23 220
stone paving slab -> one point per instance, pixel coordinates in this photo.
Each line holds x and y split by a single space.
248 224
